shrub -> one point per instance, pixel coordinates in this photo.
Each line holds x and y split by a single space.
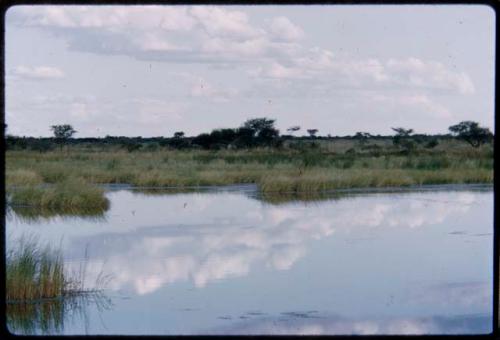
432 143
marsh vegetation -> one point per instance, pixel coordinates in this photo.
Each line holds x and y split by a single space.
67 178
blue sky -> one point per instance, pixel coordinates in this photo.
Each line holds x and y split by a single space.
154 70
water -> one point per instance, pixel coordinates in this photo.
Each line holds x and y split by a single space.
229 262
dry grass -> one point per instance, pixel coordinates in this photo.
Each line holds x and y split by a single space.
328 167
23 177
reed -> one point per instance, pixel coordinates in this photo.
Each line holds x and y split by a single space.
34 272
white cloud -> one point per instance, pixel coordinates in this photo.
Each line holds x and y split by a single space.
283 29
214 34
202 88
278 71
152 41
272 57
220 22
112 18
421 103
429 74
38 72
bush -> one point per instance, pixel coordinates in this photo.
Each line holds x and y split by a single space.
132 146
432 143
350 151
41 145
151 147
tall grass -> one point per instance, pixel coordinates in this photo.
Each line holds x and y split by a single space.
33 272
70 194
23 177
339 164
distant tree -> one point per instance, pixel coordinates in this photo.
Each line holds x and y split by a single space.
432 143
245 137
133 146
62 133
471 132
178 134
401 135
293 129
312 132
259 124
41 145
403 132
262 130
223 137
204 140
362 137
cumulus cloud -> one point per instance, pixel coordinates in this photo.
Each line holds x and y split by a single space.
283 29
215 34
221 22
430 74
37 72
420 102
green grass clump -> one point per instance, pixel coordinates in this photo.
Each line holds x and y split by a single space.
33 272
70 194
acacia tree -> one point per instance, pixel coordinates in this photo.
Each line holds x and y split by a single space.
178 140
293 129
401 134
471 133
403 139
62 133
312 132
259 124
262 130
362 137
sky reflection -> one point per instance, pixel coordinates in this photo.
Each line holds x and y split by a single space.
412 255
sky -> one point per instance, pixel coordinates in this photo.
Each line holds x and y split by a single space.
153 70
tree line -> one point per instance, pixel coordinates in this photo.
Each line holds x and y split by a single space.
255 132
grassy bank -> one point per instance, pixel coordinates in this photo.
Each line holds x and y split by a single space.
71 194
341 164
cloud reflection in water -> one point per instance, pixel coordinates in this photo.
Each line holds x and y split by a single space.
215 244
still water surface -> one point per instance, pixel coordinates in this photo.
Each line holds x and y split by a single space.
228 262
